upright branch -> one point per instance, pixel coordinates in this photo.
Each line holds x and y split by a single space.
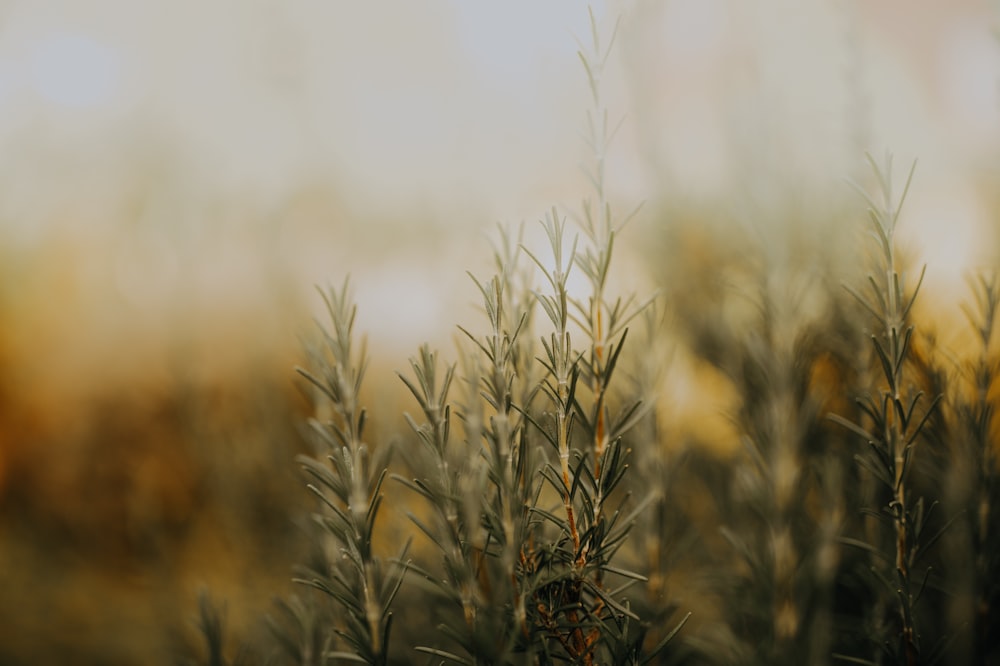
560 362
349 489
480 490
577 383
895 423
508 462
978 461
595 316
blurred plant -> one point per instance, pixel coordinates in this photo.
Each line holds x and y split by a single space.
211 625
785 541
663 537
774 330
974 487
302 631
892 428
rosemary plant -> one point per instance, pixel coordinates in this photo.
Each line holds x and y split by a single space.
480 494
587 620
894 426
348 486
524 580
782 602
302 630
974 489
211 625
587 477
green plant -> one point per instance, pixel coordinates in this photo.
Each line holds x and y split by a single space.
784 542
302 629
590 533
774 331
545 506
522 577
349 490
479 494
892 430
211 625
974 486
529 510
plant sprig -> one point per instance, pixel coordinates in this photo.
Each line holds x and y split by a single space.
894 424
348 486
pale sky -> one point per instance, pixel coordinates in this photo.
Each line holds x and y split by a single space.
468 112
475 100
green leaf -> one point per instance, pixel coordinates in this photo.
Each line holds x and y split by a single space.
445 655
625 573
867 547
611 602
878 471
659 647
348 656
887 367
854 660
856 429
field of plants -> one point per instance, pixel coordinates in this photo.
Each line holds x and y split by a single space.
752 428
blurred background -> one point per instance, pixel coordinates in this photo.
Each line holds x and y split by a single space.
176 177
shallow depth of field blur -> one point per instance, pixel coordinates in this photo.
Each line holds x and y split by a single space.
176 177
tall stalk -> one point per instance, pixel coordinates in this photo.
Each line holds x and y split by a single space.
348 485
893 430
975 487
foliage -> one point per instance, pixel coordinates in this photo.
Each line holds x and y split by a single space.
555 519
894 422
